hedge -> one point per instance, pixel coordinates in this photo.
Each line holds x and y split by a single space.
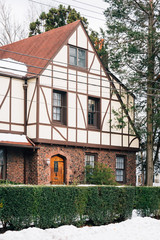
147 201
53 206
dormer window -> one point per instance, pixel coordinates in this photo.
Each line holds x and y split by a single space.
77 57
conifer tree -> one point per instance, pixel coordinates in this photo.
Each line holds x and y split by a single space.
133 28
56 17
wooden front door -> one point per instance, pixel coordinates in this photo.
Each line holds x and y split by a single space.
57 170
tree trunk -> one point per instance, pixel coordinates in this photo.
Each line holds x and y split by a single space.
151 61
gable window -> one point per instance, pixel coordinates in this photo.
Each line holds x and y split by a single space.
93 112
120 169
59 106
77 57
2 165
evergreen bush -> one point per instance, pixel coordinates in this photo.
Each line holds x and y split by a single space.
101 174
53 206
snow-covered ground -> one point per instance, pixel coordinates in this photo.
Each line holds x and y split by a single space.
137 228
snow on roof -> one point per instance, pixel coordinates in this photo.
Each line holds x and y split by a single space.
8 65
14 139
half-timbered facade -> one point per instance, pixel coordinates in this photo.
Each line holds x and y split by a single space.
57 104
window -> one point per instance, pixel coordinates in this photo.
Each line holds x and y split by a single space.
77 57
120 169
93 112
59 106
89 160
2 164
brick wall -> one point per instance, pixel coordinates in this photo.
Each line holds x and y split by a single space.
15 165
28 166
75 161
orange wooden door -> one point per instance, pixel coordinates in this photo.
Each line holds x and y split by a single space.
57 170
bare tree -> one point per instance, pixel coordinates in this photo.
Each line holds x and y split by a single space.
10 31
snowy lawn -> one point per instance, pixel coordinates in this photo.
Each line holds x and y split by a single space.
137 228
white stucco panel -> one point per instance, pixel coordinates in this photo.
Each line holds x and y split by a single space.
4 126
17 110
82 82
5 109
105 139
125 141
4 83
61 57
134 143
93 137
96 66
46 77
105 117
71 135
45 132
71 109
115 106
81 136
125 129
82 38
72 39
45 106
32 104
59 77
116 140
72 80
17 128
82 111
90 59
90 48
59 133
105 88
31 131
93 85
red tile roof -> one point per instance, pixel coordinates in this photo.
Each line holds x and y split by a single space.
44 45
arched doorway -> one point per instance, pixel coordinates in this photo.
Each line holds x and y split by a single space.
57 170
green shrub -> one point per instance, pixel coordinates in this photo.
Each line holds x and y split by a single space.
101 174
147 201
109 204
52 206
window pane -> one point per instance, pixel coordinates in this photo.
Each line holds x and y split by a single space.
81 62
1 157
120 168
57 99
73 60
120 162
89 160
2 174
119 175
73 51
81 53
81 58
91 105
55 166
56 113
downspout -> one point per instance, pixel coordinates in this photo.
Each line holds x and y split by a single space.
25 86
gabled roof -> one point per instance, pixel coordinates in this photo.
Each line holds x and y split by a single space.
38 50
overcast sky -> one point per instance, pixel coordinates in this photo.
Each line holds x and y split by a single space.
26 9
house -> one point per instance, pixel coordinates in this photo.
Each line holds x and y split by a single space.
56 111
